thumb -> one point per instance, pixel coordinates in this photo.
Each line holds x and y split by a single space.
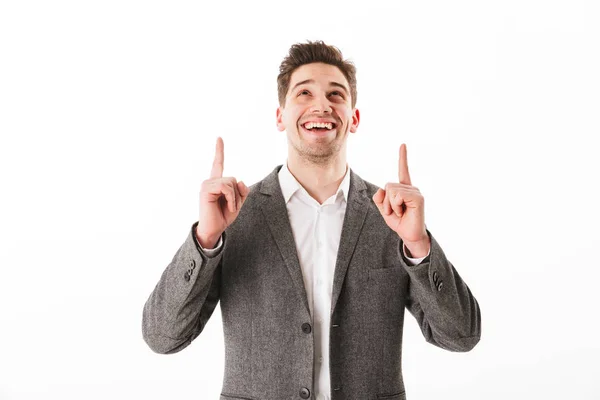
243 190
379 196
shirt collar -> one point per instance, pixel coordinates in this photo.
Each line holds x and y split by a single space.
289 184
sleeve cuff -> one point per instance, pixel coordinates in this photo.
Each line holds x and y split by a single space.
411 260
211 252
208 252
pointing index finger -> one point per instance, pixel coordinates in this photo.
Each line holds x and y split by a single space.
217 167
403 175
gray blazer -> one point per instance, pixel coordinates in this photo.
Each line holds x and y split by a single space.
267 324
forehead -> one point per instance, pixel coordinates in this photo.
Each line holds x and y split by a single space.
319 72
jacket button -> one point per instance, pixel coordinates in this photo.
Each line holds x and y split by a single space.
192 264
186 276
435 276
304 393
306 329
439 287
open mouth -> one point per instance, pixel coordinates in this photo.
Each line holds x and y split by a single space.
319 128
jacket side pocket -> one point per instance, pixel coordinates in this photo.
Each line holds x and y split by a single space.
229 396
394 396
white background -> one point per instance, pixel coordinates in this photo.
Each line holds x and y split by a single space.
109 113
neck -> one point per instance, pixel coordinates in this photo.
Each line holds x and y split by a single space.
320 181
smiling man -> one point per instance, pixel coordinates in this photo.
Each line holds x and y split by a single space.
313 266
317 112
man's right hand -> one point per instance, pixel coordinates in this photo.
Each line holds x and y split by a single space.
221 200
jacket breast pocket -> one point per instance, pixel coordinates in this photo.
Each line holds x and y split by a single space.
381 274
387 292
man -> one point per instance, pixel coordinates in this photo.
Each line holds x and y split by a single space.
313 265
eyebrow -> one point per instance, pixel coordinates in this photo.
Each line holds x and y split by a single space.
313 81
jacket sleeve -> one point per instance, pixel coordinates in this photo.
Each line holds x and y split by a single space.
184 298
443 305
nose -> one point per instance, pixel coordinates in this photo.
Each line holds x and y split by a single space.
321 105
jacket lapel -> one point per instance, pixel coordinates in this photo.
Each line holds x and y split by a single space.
275 212
356 212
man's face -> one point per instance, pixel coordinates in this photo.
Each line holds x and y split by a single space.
317 93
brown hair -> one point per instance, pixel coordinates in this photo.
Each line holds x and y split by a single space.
313 52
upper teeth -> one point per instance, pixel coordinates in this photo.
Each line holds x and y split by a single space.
310 125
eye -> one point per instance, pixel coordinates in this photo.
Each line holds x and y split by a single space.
338 93
304 91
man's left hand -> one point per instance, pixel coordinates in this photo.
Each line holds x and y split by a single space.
403 209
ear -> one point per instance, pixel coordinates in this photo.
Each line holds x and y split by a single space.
355 120
280 125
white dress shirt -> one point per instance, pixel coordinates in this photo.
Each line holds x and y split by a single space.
316 229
